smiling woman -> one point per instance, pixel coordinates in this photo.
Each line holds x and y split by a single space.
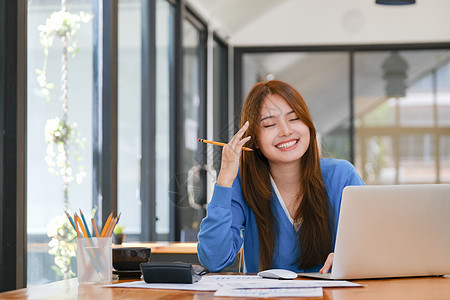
283 136
284 199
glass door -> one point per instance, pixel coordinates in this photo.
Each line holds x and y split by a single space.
191 198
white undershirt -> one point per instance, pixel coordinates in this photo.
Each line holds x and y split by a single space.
283 205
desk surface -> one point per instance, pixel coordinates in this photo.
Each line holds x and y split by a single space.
165 247
157 247
404 288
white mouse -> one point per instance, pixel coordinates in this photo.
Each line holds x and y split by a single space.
278 274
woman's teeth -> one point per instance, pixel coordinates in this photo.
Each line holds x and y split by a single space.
287 145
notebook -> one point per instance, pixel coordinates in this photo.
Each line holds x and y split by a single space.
392 231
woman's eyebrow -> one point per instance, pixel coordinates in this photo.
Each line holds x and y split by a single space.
272 116
266 117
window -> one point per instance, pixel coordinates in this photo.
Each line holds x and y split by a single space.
59 99
400 122
129 117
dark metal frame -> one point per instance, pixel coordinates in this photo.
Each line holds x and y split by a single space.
13 121
176 120
223 89
351 49
351 73
148 117
105 106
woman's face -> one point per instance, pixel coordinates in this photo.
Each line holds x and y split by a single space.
282 136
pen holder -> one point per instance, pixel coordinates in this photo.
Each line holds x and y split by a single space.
94 260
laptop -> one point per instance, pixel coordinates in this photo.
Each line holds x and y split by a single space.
392 231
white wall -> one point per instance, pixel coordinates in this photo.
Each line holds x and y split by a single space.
320 22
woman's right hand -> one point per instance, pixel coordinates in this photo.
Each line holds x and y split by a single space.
230 157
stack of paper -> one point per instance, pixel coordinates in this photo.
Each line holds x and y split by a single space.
247 286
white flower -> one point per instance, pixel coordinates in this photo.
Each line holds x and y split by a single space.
54 224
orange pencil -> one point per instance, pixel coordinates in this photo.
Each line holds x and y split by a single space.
80 223
94 225
105 228
110 227
114 223
85 224
77 230
221 144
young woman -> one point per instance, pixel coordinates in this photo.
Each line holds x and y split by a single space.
281 201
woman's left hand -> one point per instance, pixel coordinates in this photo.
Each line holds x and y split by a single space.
327 265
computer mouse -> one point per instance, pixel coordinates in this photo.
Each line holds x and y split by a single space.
278 274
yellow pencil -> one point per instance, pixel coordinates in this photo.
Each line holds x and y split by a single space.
77 230
80 223
221 144
112 225
85 224
108 228
94 225
105 228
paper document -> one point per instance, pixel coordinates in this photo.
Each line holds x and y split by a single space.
266 293
198 286
216 282
238 281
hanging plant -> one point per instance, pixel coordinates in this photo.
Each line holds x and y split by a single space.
59 24
59 135
62 245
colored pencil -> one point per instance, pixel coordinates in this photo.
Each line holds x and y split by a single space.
115 224
85 224
105 228
70 219
221 144
110 227
94 226
80 223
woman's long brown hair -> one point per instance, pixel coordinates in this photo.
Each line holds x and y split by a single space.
315 233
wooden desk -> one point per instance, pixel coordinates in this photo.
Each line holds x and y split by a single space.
386 289
164 247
